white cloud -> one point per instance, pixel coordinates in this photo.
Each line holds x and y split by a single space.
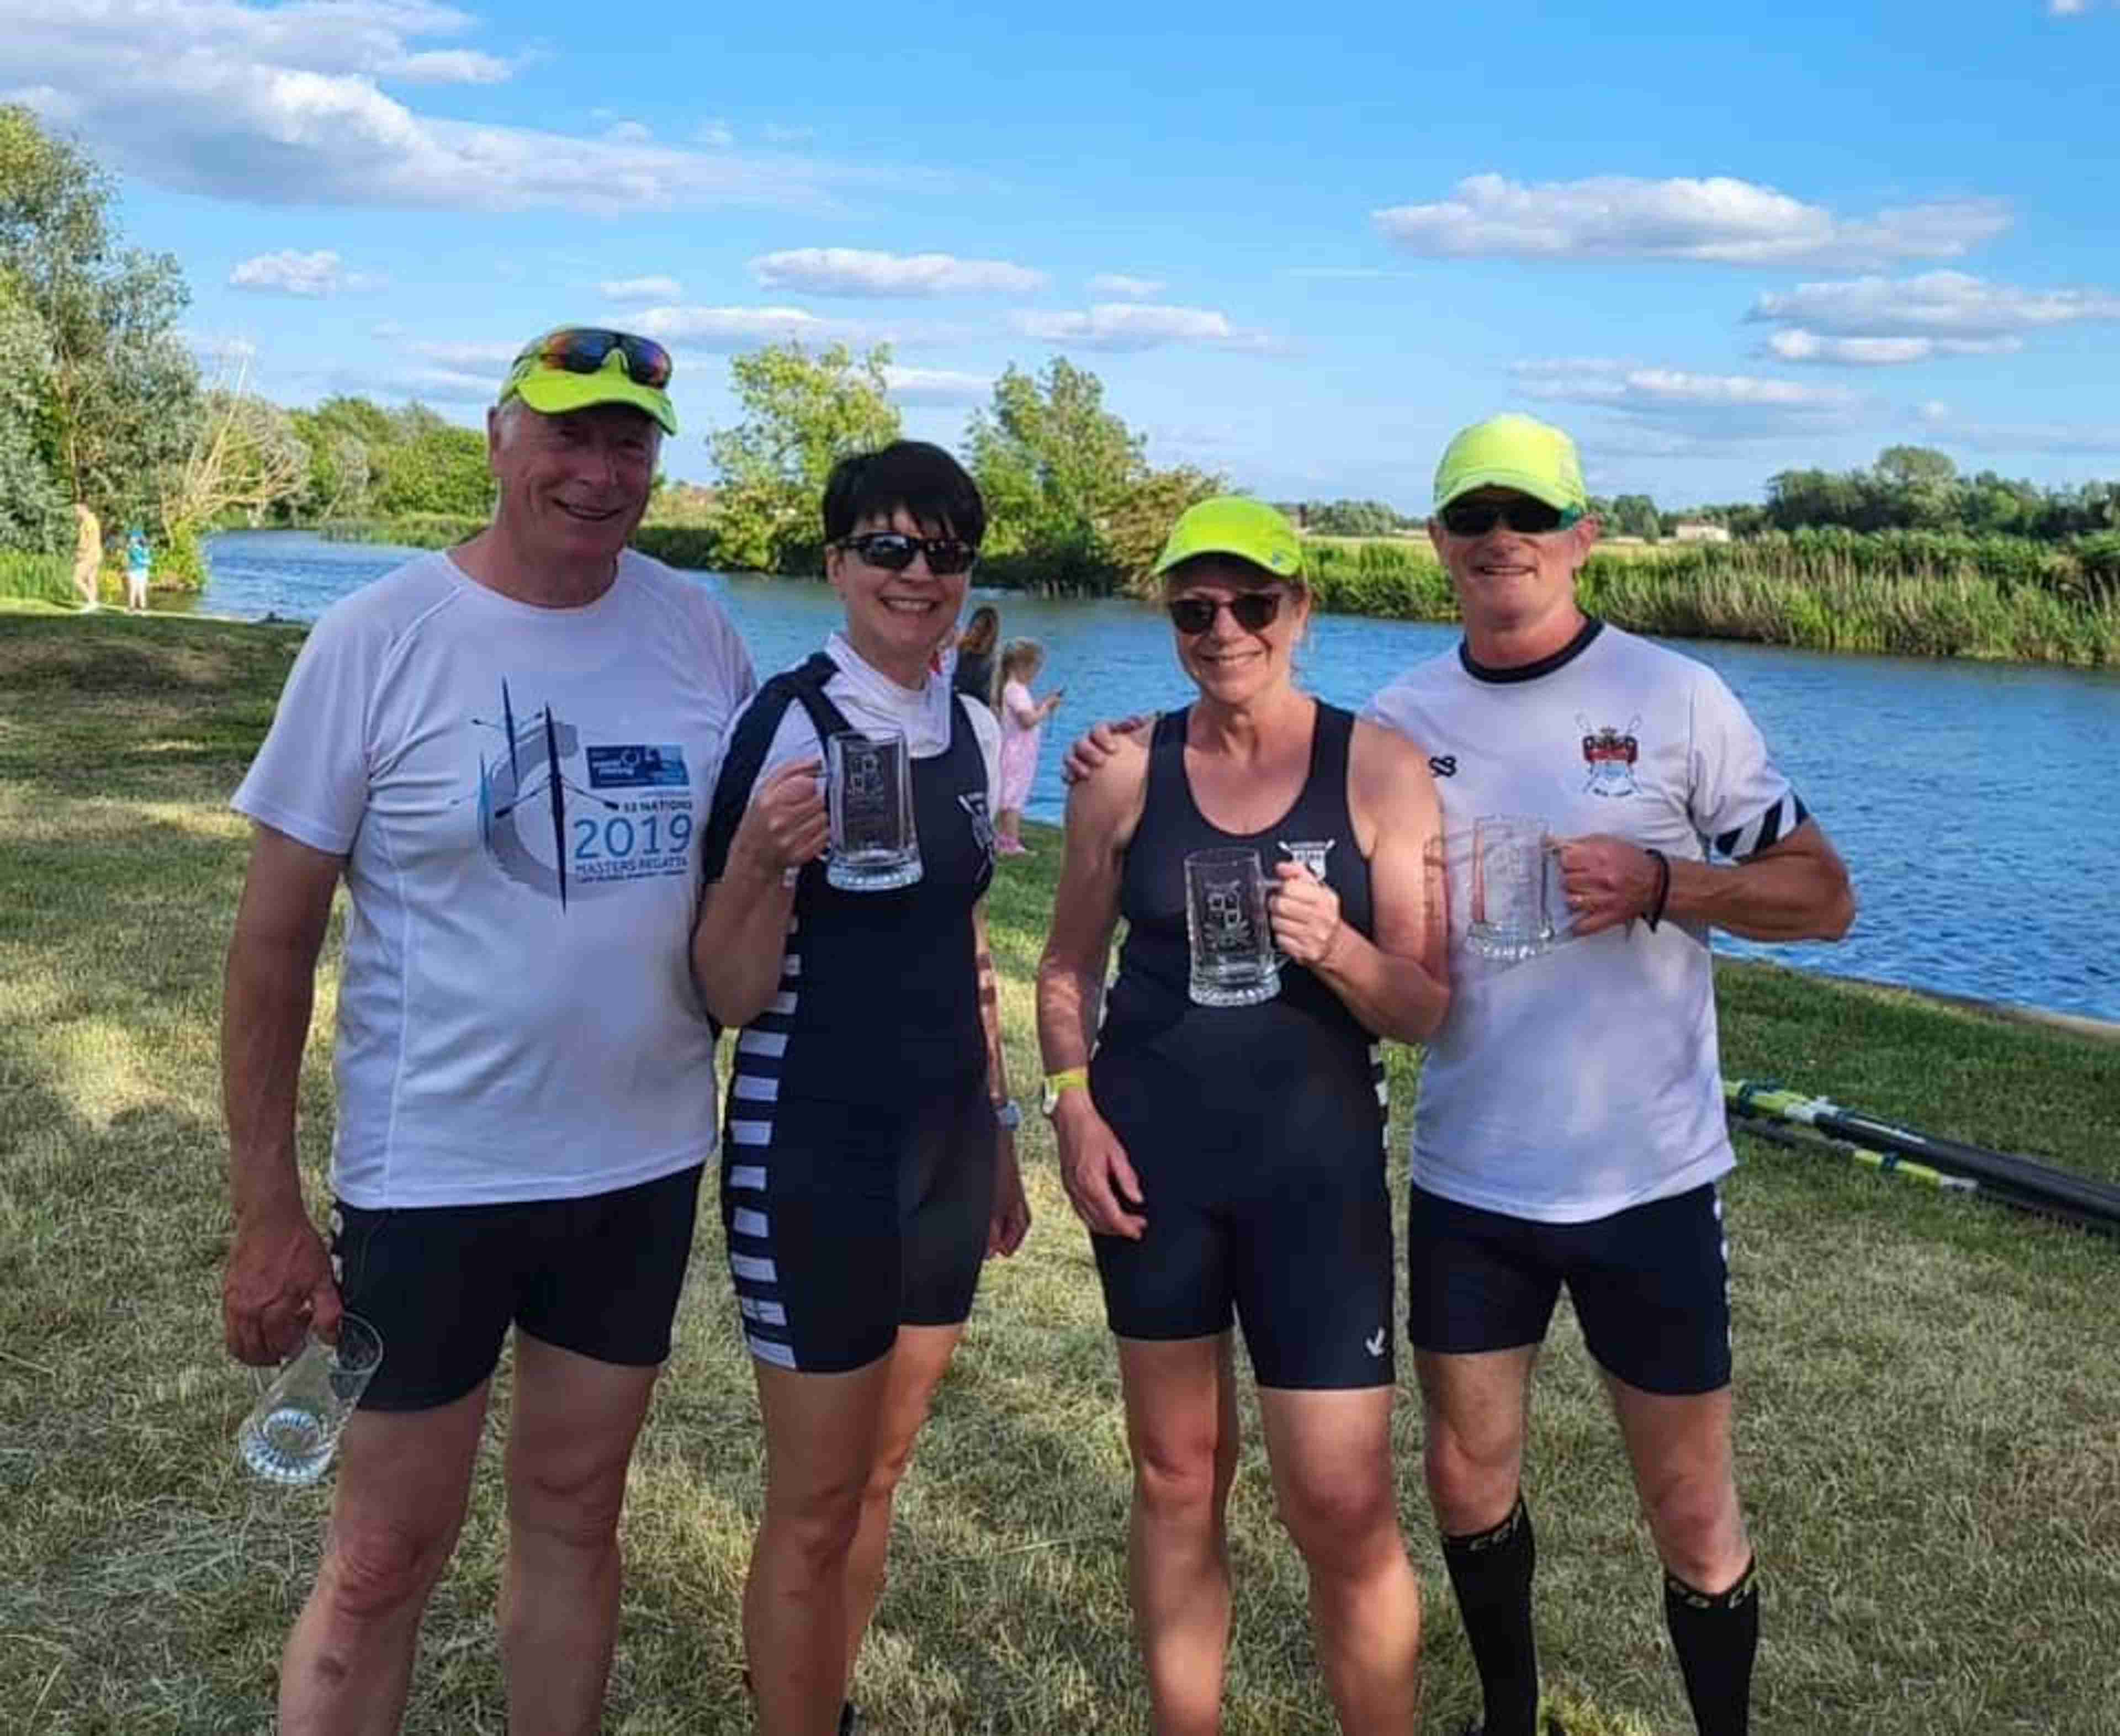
773 134
1113 325
1132 289
723 329
937 386
447 67
1719 219
289 273
2067 8
853 271
640 289
1800 345
716 135
1939 305
2049 440
1727 406
627 133
287 104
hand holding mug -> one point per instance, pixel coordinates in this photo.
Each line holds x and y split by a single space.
785 824
1305 914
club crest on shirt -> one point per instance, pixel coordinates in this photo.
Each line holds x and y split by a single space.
1310 852
974 802
1610 754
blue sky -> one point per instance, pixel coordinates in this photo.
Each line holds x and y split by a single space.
1299 249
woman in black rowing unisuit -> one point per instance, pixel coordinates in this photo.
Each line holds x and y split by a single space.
1228 1160
869 1161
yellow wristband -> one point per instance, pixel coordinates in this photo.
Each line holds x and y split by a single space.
1056 1082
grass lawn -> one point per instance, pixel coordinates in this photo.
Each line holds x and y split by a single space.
1929 1389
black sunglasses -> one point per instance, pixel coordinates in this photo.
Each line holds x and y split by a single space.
1525 516
584 350
893 550
1251 610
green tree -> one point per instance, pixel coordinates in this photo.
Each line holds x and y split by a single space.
123 390
802 411
1915 466
1349 518
1636 515
441 469
34 512
1052 463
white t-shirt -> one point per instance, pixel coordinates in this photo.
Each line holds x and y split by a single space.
520 794
1587 1079
871 700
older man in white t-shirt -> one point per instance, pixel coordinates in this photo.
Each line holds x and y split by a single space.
1570 1127
506 751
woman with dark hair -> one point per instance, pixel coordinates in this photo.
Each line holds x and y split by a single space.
869 1165
974 671
1228 1158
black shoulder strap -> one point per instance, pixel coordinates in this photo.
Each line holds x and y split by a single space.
1335 730
751 741
1166 756
807 681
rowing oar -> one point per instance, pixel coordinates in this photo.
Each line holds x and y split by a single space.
2003 1176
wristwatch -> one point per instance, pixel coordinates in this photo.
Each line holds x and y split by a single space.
1067 1078
1008 1116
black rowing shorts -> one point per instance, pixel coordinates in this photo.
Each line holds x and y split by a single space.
1276 1216
847 1221
1651 1285
599 1276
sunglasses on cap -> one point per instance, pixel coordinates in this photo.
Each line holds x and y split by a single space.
1251 610
585 349
893 550
1521 513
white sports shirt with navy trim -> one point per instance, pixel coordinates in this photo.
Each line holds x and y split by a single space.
1587 1079
521 795
872 699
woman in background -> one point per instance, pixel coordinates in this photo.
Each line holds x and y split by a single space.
1022 733
974 671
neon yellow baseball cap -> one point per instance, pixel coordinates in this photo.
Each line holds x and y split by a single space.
1512 451
577 366
1235 524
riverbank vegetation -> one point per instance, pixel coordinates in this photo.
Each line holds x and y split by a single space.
1927 1386
1901 594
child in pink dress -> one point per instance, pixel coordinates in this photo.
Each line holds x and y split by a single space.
1022 733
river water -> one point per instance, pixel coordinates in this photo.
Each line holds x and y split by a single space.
1978 804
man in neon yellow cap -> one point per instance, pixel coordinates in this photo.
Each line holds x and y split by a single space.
1570 1127
506 750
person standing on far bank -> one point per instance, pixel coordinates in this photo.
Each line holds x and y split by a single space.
973 671
1570 1127
138 561
506 750
87 555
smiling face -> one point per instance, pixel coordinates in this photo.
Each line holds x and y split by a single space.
1510 582
1229 663
896 620
573 487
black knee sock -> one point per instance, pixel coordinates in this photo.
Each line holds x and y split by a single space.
1716 1638
1490 1571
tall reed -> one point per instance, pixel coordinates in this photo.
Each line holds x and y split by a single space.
36 578
1900 593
